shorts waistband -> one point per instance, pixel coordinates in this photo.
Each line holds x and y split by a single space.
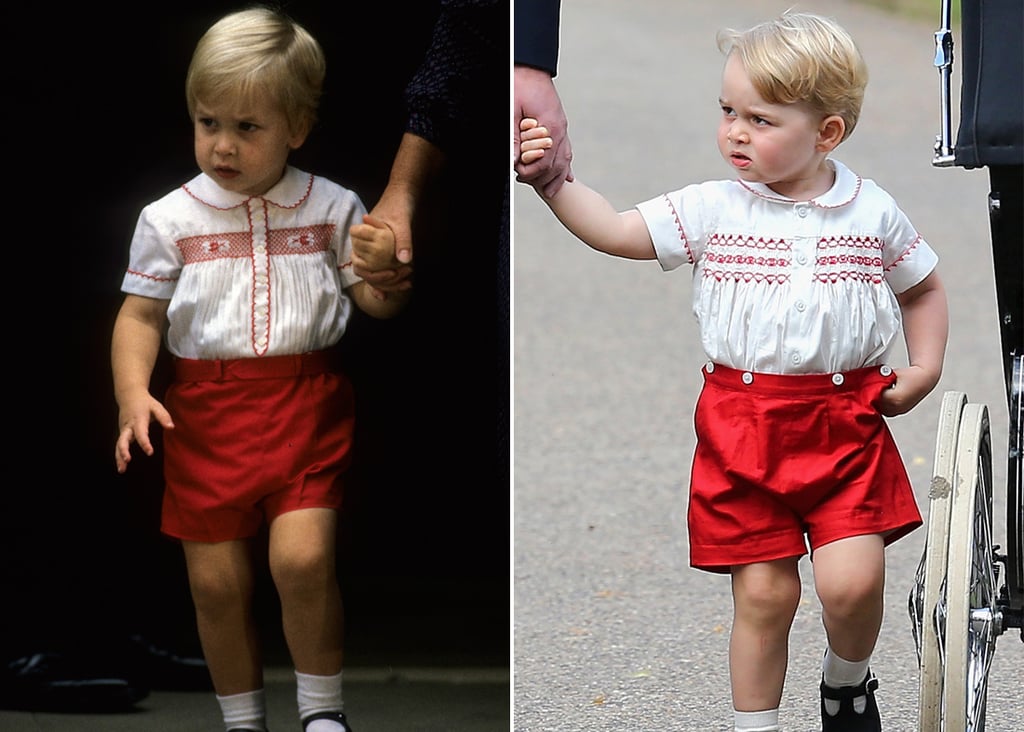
266 367
853 380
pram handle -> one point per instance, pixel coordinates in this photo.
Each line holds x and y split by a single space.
943 151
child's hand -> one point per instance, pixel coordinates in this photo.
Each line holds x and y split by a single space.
373 249
135 416
911 386
534 141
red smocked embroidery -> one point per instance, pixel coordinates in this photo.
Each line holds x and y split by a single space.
209 247
745 258
302 240
849 257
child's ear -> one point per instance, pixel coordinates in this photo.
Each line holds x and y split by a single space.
299 135
830 133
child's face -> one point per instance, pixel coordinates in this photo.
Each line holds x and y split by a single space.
243 147
774 144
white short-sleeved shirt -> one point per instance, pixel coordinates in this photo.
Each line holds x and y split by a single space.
248 276
792 287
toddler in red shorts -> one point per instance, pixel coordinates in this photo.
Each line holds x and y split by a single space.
805 274
246 272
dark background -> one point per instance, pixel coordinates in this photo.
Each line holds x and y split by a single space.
96 127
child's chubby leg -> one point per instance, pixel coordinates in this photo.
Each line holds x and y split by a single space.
221 580
534 140
849 577
765 600
303 566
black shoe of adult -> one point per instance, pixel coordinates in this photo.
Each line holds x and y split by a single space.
165 670
333 716
848 719
51 682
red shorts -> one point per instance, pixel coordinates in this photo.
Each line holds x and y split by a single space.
783 461
253 438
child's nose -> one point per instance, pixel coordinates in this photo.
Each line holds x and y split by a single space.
224 144
737 132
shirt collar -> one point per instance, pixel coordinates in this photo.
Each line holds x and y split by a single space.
843 191
289 192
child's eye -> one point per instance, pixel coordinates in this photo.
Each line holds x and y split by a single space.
759 121
207 122
728 111
247 126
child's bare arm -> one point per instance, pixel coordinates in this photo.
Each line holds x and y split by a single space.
135 345
584 211
926 330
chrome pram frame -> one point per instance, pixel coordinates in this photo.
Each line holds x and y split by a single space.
969 590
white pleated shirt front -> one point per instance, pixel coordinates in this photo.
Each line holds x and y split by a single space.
792 287
248 276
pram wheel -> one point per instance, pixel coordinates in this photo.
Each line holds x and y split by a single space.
931 572
972 615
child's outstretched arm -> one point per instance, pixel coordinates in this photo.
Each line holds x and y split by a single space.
584 211
373 249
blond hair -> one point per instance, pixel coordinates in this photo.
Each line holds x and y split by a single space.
801 57
262 54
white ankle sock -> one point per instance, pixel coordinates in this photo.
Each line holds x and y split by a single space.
836 671
319 694
763 721
247 710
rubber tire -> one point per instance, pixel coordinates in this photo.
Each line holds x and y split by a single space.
970 580
932 571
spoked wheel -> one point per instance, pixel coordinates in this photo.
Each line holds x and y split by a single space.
972 619
925 594
1015 497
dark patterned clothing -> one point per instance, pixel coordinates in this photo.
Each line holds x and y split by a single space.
466 56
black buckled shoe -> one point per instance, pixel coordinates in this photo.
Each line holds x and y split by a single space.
333 716
847 719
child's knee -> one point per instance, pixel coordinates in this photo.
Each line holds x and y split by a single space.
301 571
852 594
766 593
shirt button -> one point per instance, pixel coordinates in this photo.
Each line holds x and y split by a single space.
837 379
801 211
800 305
796 358
885 370
801 258
709 367
748 378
